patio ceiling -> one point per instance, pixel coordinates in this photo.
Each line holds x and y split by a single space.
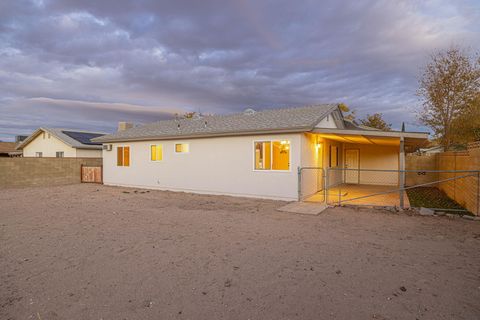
362 139
411 143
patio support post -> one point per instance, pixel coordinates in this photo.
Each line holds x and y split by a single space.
402 172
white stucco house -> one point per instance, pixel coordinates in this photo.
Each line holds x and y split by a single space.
59 143
252 154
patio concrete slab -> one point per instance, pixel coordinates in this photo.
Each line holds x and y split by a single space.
304 208
358 194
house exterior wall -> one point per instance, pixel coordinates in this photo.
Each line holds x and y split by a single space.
377 157
213 165
316 154
88 153
49 146
327 122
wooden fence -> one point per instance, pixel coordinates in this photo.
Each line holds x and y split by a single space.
91 174
465 191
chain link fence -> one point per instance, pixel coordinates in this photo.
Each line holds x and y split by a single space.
440 190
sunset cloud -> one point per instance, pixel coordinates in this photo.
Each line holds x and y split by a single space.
89 64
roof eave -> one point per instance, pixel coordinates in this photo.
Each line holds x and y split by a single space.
418 135
207 135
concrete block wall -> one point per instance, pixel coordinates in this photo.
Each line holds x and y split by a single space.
23 172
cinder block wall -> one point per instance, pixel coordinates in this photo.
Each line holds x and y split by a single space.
22 172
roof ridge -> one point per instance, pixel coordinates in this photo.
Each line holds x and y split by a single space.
240 113
73 130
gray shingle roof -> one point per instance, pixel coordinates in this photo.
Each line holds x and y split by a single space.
60 134
298 119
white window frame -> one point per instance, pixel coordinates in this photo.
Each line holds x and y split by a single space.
150 153
175 147
59 152
123 154
38 154
271 155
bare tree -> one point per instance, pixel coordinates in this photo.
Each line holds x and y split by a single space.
376 121
447 87
345 109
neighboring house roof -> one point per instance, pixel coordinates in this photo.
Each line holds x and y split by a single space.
7 147
298 119
79 139
434 149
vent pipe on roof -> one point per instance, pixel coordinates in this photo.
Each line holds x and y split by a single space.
248 111
122 126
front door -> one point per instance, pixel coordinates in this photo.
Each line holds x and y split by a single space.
352 161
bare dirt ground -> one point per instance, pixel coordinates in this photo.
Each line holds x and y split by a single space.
96 252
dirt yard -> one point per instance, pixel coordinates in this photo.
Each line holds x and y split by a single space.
96 252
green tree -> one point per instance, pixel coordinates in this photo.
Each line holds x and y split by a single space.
376 121
467 126
448 86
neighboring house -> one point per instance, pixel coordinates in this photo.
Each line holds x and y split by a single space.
253 154
8 149
59 143
431 150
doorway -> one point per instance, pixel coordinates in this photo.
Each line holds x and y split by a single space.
352 161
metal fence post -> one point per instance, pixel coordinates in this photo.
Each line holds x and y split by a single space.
324 185
478 193
327 174
299 170
339 194
402 172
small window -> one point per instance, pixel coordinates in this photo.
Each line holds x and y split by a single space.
181 148
59 154
123 156
272 155
333 156
38 154
156 152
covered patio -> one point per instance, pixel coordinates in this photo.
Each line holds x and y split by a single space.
359 167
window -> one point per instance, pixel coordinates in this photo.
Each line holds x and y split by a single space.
272 155
59 154
123 156
333 156
38 154
156 152
181 148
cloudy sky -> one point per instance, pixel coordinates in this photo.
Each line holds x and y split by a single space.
89 64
